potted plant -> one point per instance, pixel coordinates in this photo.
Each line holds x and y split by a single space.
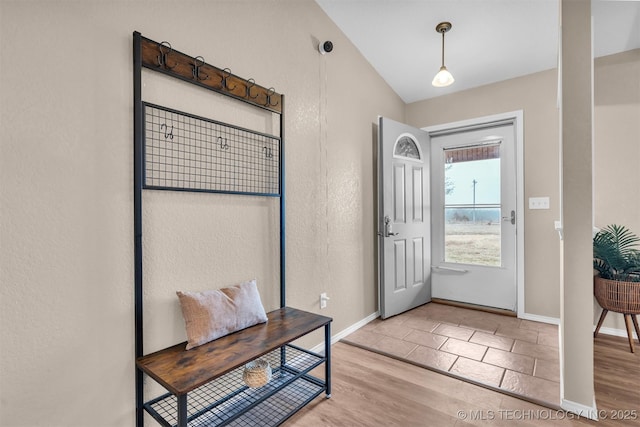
617 284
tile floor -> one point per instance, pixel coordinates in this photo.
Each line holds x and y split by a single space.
506 353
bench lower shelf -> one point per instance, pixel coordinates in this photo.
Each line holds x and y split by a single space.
228 401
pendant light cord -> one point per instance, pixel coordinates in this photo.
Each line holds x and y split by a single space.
443 48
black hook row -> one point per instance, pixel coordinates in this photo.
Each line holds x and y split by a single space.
198 75
220 141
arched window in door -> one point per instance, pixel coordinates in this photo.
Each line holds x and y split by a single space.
406 147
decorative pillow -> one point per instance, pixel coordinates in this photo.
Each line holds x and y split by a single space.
209 315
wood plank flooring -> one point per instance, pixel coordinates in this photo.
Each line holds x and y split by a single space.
374 390
616 375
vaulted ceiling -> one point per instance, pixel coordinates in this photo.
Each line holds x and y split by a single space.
490 41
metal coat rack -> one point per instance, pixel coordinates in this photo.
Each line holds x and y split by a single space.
179 151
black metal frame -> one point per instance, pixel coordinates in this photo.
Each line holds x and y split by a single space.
139 180
227 400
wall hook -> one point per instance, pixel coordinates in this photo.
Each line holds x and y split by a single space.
223 143
250 83
225 77
271 91
162 58
196 69
169 134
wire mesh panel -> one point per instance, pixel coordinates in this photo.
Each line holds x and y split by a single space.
187 152
229 401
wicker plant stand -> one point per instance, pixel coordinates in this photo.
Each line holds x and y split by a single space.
619 297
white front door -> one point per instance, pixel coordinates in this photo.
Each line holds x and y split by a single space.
403 217
474 215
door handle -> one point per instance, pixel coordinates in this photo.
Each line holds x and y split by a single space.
511 218
387 227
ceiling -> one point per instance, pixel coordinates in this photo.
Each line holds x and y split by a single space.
490 40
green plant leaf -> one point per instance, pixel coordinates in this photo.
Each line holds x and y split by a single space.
615 255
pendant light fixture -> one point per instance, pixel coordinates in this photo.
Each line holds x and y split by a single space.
444 77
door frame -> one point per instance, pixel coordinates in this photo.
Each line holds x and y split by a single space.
517 118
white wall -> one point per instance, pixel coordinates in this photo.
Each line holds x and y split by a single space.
66 213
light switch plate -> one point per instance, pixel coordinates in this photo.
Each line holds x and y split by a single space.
538 203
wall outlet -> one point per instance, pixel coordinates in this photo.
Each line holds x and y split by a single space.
323 300
538 203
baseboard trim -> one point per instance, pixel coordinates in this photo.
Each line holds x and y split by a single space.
590 412
541 319
343 333
616 332
555 321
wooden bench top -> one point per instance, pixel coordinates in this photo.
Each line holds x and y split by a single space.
181 371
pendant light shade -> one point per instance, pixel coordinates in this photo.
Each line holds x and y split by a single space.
444 77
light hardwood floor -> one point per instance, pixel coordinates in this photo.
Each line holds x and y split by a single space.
374 390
